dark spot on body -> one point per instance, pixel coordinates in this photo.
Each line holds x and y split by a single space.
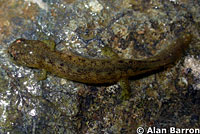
83 60
49 61
157 60
130 62
70 57
79 70
121 61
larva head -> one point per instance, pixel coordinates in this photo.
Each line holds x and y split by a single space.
26 52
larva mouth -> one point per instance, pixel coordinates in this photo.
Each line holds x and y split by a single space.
12 53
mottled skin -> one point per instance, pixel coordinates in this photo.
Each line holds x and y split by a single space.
37 54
